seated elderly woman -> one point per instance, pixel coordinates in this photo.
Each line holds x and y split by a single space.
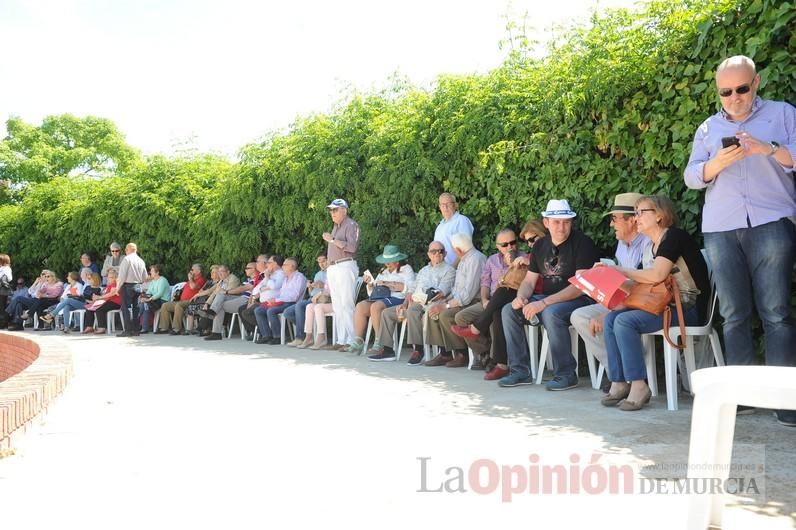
387 289
47 293
112 261
675 252
71 299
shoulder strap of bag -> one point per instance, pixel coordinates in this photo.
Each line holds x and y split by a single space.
667 316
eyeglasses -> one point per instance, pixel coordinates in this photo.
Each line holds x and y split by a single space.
640 211
507 243
436 251
740 90
114 251
249 267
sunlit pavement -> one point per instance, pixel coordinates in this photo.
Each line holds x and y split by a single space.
177 432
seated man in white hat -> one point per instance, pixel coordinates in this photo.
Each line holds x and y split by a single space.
555 258
588 320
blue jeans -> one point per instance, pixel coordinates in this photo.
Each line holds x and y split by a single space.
555 319
623 330
66 307
752 267
296 314
268 319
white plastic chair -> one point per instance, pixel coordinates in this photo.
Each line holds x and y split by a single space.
112 320
672 355
234 318
283 325
80 314
545 349
717 393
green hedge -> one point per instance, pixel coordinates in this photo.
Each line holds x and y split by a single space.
612 108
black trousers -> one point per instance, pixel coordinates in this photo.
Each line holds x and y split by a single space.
492 315
130 293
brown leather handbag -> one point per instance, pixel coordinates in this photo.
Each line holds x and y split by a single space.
513 277
656 298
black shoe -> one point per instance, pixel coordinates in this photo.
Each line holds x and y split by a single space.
175 332
161 332
207 313
274 341
124 334
194 332
213 336
261 340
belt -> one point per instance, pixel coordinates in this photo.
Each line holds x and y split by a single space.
342 260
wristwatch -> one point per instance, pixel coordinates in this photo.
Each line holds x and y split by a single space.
774 146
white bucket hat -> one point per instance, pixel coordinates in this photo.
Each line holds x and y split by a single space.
558 209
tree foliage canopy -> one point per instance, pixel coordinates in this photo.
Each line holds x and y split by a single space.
61 146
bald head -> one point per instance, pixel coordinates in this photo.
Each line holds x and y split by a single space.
737 62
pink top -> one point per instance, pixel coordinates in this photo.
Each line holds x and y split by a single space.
51 290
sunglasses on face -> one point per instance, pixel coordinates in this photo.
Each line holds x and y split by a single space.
436 251
531 240
740 90
507 243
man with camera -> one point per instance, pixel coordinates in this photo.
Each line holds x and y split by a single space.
743 158
435 280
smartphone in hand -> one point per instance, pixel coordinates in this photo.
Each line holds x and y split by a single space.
727 141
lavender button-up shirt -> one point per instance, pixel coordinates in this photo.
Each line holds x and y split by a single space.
293 288
757 188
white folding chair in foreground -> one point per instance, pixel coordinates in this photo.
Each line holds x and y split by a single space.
717 393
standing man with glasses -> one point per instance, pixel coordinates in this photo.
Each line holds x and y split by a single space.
743 158
452 223
555 258
132 273
343 242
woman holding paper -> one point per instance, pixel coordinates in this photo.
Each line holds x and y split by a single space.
675 252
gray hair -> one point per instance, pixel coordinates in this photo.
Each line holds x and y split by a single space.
462 241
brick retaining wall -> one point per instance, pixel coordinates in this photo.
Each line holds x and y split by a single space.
31 376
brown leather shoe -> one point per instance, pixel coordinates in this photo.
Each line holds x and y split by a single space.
439 360
459 361
630 406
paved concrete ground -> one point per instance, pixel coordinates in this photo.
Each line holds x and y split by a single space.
161 431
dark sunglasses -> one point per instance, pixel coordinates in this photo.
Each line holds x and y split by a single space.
532 240
507 243
740 90
436 251
554 261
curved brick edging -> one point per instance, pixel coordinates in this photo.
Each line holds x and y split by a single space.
31 376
